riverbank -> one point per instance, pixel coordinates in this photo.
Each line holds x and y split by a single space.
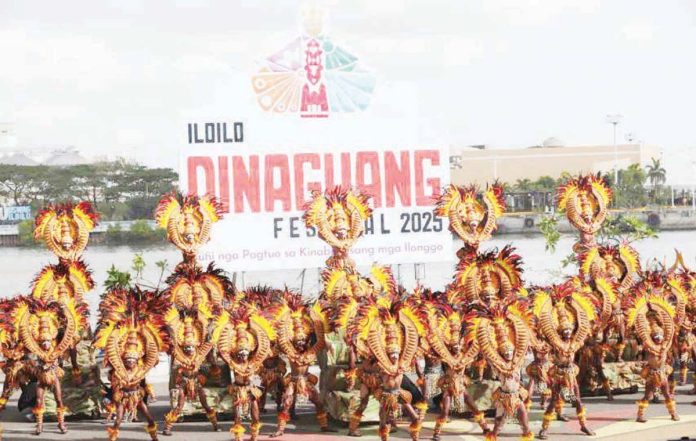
147 232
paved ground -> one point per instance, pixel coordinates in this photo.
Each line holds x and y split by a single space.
611 421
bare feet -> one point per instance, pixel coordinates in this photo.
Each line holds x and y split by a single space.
167 432
543 435
561 417
276 434
641 419
675 417
62 429
355 433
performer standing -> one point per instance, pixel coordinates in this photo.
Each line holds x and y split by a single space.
652 318
564 319
301 329
245 343
132 331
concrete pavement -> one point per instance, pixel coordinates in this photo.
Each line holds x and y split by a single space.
610 420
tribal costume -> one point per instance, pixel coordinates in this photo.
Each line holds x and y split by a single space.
192 340
245 343
389 332
564 319
502 336
132 332
653 318
301 329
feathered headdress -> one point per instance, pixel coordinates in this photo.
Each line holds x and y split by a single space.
471 217
187 219
339 215
65 228
132 324
585 200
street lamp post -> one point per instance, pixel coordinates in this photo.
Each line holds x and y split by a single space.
614 120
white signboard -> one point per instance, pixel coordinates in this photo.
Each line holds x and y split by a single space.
264 189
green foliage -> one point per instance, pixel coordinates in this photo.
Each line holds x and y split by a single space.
119 189
117 279
138 265
115 234
26 233
125 279
628 228
548 225
630 191
142 232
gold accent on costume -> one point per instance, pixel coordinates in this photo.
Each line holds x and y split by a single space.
472 217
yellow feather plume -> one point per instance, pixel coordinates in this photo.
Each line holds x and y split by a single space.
355 201
103 334
605 287
265 325
586 305
587 261
540 299
408 312
164 214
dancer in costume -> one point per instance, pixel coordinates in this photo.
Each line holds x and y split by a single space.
245 343
132 331
585 200
64 229
564 318
47 331
653 319
389 332
192 339
502 336
301 328
446 340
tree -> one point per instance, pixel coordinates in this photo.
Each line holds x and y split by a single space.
630 192
656 175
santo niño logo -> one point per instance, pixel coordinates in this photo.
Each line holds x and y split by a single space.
313 76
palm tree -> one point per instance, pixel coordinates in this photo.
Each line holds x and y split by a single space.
657 175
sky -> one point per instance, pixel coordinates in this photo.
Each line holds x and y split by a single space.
118 77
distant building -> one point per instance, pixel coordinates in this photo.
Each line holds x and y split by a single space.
17 159
65 157
483 165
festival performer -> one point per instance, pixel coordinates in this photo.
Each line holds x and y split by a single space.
482 279
585 201
472 217
539 379
502 335
274 368
301 328
132 331
12 351
64 229
339 217
47 331
564 318
188 221
652 318
193 334
389 332
245 343
611 271
446 340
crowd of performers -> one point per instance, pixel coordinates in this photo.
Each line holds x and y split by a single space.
485 322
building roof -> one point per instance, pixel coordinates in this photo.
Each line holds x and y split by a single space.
17 159
66 157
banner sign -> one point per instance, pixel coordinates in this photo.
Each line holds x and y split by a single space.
263 191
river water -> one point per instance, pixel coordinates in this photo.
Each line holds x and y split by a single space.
19 265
